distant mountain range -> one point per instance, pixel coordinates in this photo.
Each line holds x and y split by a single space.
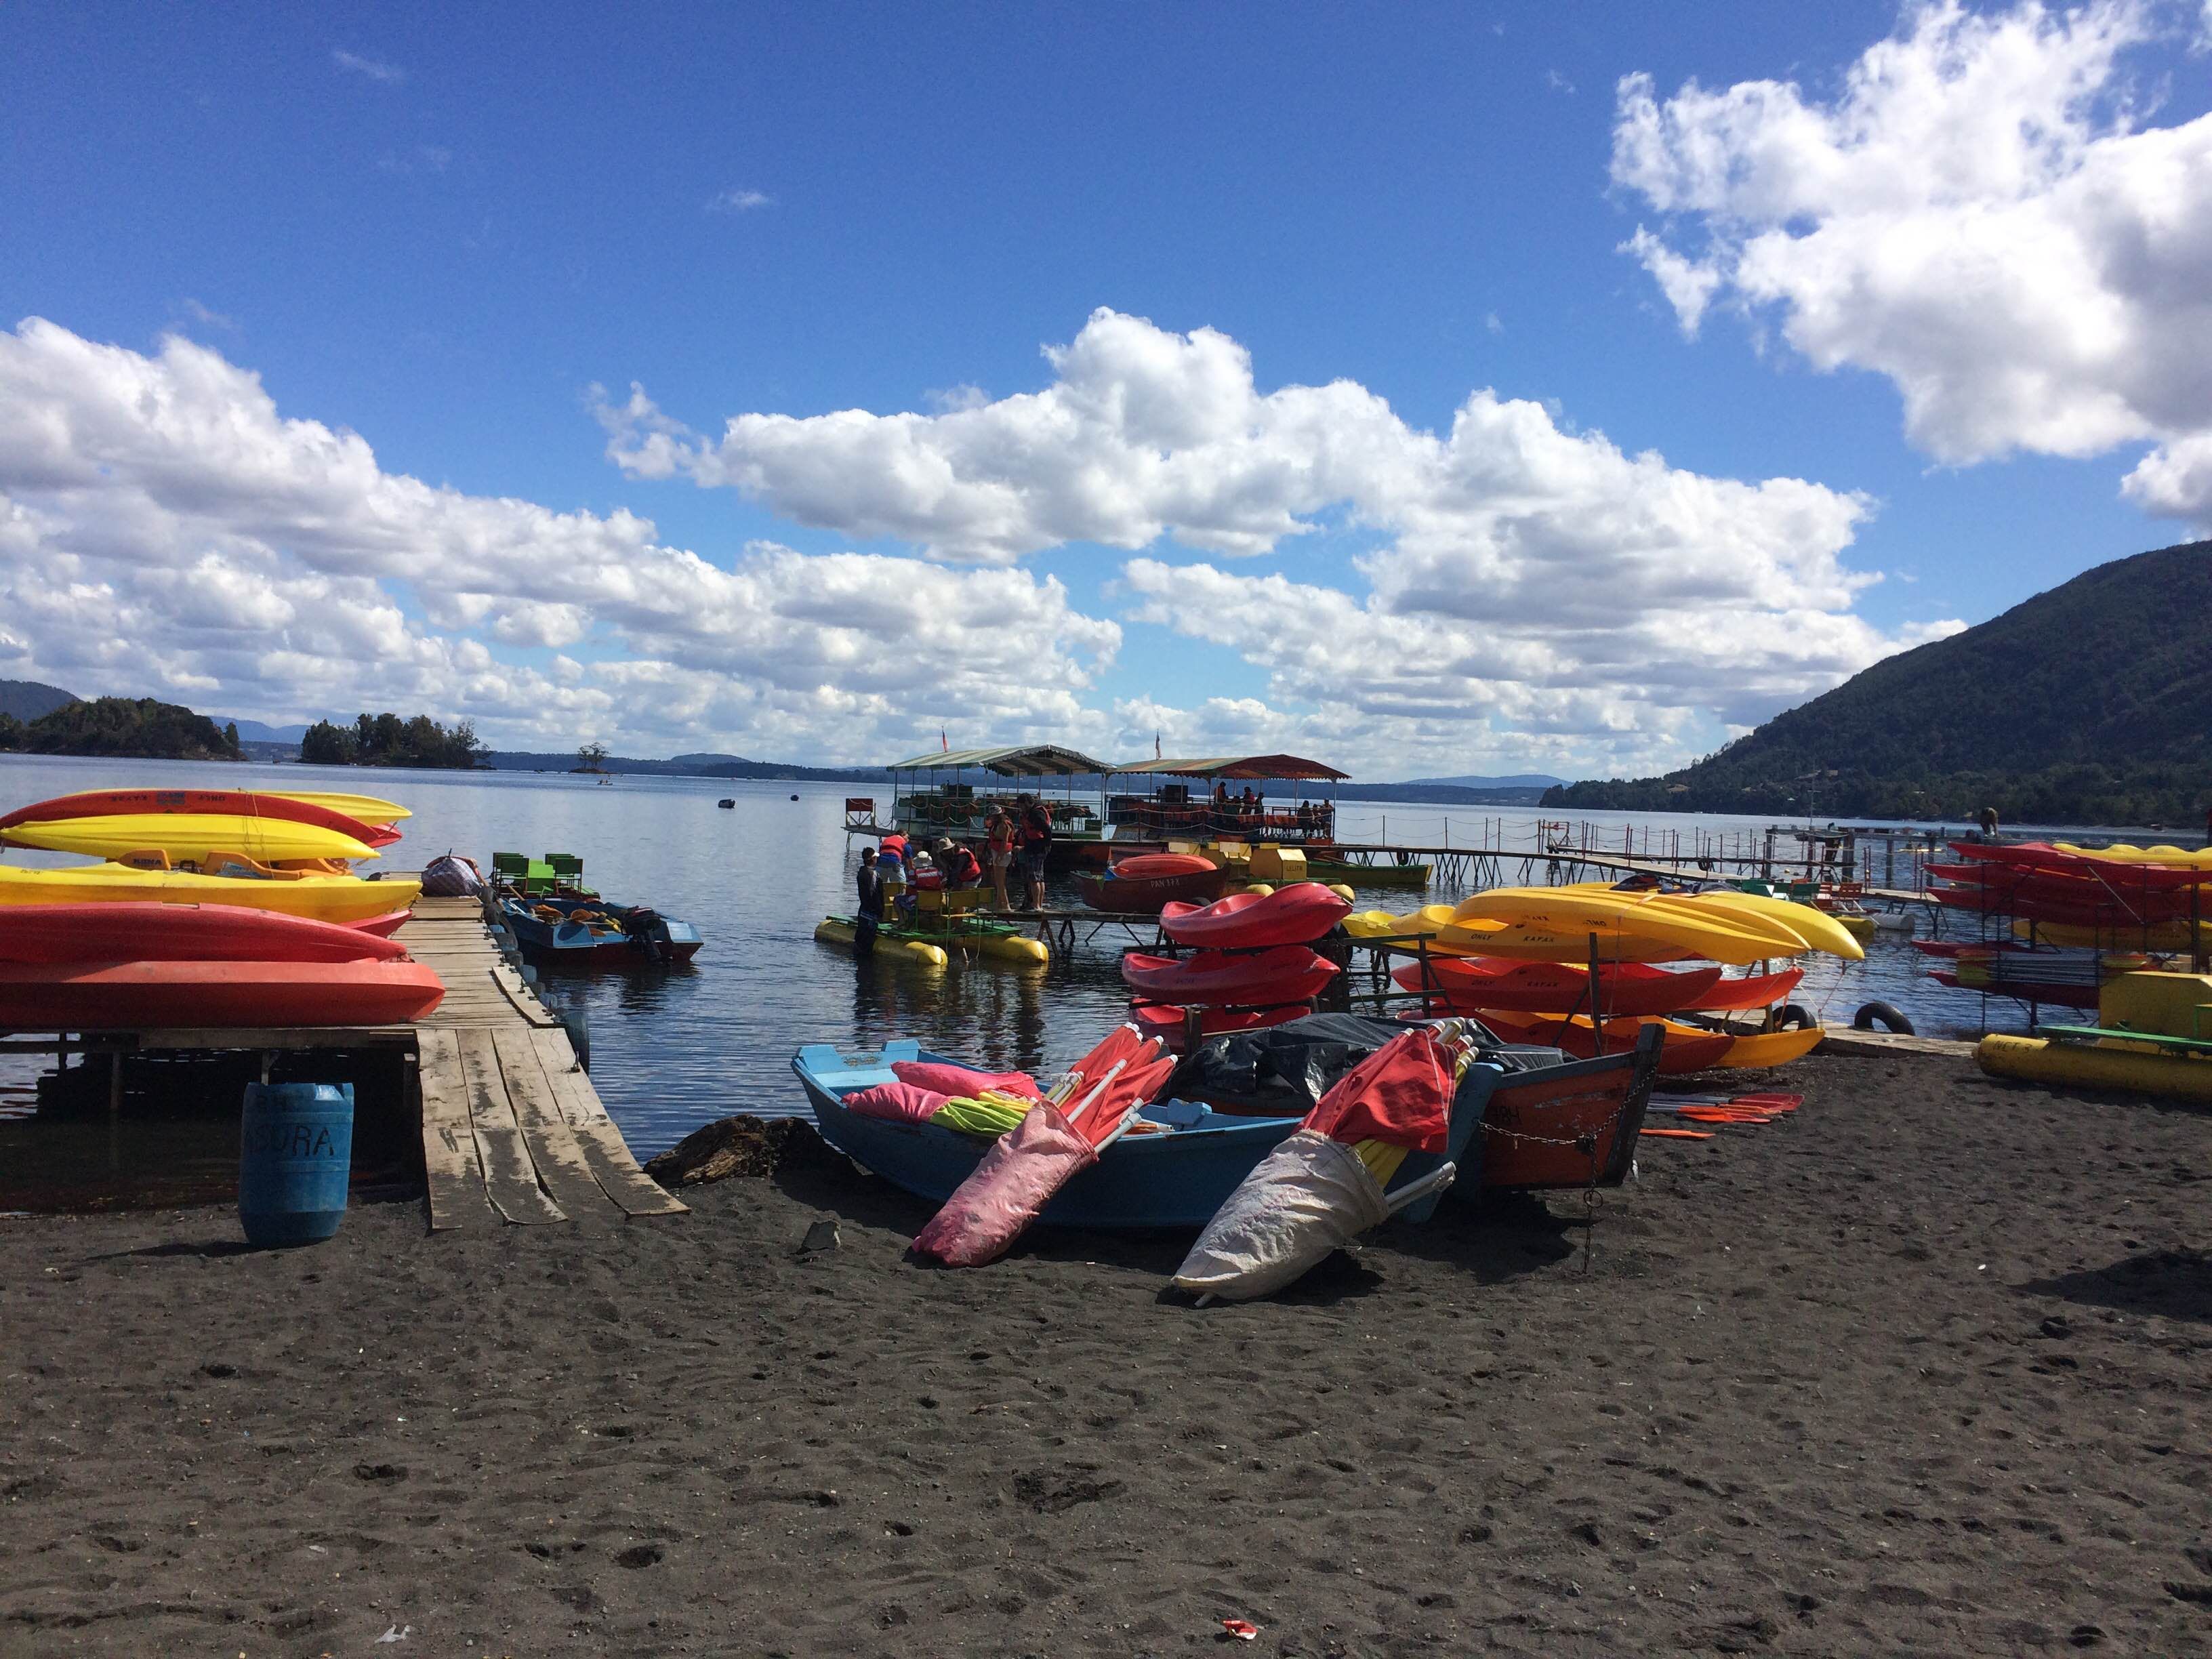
686 766
27 699
255 732
2091 703
1518 780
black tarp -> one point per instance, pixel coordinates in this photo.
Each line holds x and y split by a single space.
1282 1070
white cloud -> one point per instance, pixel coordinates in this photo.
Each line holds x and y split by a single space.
206 315
1980 214
1528 575
375 69
163 528
739 201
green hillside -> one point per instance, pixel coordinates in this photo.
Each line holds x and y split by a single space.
139 728
2089 704
27 699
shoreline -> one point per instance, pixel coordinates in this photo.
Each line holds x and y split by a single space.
1920 1367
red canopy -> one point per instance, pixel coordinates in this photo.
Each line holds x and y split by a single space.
1400 1093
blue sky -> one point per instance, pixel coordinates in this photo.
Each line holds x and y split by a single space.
1909 298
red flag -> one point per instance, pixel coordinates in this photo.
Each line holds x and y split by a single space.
944 743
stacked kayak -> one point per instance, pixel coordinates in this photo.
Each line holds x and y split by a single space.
1537 963
1250 964
2072 915
131 966
234 803
340 899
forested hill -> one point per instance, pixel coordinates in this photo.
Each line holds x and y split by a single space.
2089 703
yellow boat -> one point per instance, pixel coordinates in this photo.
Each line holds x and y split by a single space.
2105 1064
366 809
187 836
1817 928
1771 1047
1555 924
891 952
2171 935
340 899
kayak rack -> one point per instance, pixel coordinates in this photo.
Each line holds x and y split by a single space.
512 1130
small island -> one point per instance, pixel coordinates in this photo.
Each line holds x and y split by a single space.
138 728
387 741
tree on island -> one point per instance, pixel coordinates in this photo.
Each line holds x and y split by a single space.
139 727
590 757
387 741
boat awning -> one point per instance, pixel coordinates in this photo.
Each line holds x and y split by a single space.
1291 767
1036 760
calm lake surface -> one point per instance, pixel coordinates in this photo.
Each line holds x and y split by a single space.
674 1049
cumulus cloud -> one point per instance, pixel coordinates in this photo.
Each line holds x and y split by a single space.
163 526
740 201
1526 575
1980 214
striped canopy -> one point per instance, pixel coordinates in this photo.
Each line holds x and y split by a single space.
1036 760
1238 766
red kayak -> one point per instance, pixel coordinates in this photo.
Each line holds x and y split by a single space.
179 933
1297 914
1752 990
1289 973
1681 1051
112 803
2060 994
1150 866
2040 858
1166 1022
383 927
138 995
1468 983
2089 908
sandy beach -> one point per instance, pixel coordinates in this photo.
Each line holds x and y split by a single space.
1927 1369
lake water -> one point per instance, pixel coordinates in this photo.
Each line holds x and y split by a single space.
674 1049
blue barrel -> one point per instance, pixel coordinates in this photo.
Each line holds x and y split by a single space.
295 1153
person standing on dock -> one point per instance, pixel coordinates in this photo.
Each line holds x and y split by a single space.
1036 849
872 905
1989 824
999 851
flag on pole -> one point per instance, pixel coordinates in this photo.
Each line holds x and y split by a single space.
1156 745
944 743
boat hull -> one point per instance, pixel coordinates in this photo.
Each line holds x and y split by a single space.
1144 895
341 899
1177 1180
221 995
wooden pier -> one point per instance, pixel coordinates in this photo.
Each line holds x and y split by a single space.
512 1130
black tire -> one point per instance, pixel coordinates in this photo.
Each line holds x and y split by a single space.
1793 1017
1882 1015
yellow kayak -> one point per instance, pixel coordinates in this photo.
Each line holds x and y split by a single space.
2176 858
1771 1047
188 836
2158 936
1816 928
365 808
340 899
1562 919
1526 944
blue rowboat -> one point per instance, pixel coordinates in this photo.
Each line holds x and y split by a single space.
1178 1178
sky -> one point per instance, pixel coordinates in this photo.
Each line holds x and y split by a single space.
1477 388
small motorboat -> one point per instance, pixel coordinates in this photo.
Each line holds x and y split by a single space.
1120 893
555 929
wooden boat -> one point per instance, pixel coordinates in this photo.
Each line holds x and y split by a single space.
588 932
1174 1169
221 995
1298 914
240 803
54 934
1285 973
1144 895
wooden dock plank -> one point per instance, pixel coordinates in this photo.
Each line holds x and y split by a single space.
604 1150
554 1147
510 1177
450 1160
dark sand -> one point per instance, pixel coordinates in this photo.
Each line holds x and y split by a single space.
1928 1369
